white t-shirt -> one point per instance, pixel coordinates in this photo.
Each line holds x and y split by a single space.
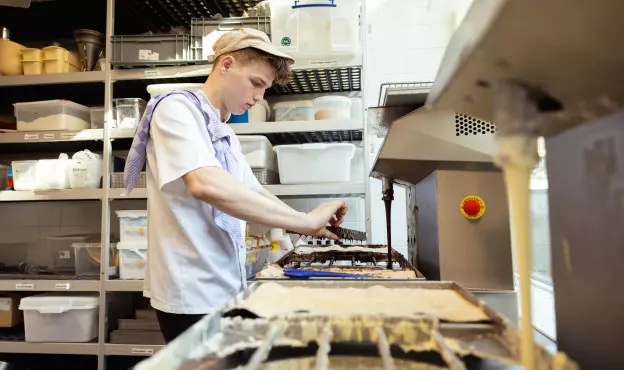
192 265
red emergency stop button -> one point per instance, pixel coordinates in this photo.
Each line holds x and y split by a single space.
472 207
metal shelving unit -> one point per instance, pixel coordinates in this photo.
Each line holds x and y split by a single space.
335 79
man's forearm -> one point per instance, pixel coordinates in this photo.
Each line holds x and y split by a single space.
221 190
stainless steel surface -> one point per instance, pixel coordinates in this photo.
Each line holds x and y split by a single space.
6 33
90 45
425 141
51 348
504 302
585 185
51 79
474 253
542 46
393 94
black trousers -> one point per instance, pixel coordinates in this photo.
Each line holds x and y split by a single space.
172 324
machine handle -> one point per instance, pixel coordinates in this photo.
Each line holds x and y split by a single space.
304 274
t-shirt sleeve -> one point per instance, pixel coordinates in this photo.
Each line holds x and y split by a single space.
181 142
250 179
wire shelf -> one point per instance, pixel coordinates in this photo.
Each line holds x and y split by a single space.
314 137
170 14
325 80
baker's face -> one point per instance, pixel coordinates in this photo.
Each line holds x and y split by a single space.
244 84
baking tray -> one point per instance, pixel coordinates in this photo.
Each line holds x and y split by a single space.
301 260
226 336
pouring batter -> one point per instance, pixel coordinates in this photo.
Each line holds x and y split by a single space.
200 187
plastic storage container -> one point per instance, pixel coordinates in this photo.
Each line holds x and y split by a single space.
299 110
314 163
317 32
11 58
60 60
128 112
55 317
205 31
24 175
88 256
259 112
158 89
132 225
332 107
52 174
50 115
32 61
85 174
150 49
62 253
132 260
258 152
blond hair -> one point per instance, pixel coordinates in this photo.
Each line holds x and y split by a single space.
281 66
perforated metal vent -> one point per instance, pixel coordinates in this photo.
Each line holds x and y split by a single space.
467 125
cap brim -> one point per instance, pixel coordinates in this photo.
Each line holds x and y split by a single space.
267 48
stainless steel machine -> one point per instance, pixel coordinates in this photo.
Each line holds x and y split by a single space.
549 69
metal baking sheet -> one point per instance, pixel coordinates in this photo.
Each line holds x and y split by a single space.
224 335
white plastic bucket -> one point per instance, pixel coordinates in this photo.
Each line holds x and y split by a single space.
85 174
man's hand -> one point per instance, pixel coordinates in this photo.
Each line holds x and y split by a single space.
332 213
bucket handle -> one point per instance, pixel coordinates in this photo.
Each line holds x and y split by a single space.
330 3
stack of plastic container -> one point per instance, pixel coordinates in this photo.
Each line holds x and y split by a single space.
133 244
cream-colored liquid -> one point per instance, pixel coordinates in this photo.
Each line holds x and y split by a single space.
517 156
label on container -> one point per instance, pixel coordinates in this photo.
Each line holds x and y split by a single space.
5 304
323 62
22 286
62 286
31 136
49 136
142 351
151 72
145 54
68 135
64 255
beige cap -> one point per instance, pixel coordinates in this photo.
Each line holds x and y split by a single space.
245 38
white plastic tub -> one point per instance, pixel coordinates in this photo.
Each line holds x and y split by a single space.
85 174
332 107
132 260
258 152
132 225
314 163
314 33
24 175
55 317
157 89
52 174
51 115
260 112
298 110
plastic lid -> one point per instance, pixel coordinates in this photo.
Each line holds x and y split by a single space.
59 303
294 104
137 213
132 245
51 102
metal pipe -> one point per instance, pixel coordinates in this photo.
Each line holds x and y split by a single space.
388 197
384 350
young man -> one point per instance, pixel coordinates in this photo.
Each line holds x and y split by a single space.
200 187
